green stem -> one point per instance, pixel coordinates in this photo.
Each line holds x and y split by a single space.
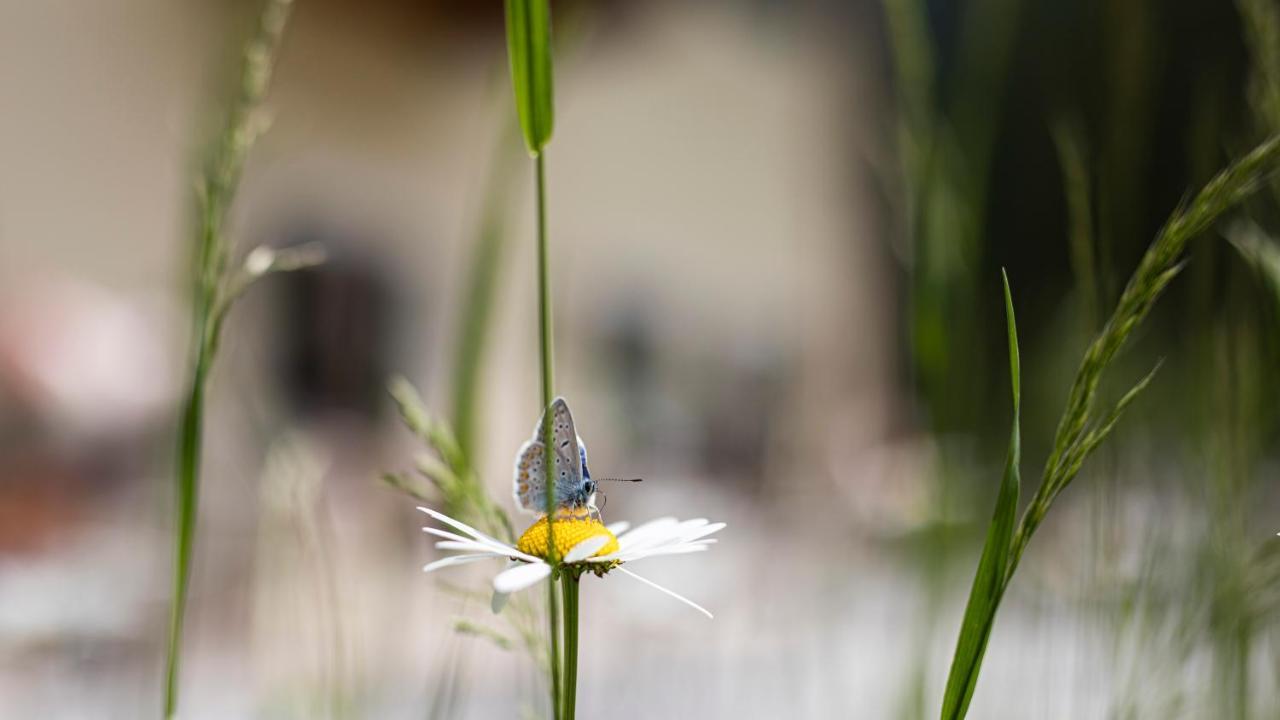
570 699
548 394
188 476
215 191
544 287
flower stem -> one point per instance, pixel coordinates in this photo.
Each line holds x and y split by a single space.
570 694
548 394
544 288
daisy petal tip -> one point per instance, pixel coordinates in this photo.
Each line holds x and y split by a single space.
670 593
586 548
520 577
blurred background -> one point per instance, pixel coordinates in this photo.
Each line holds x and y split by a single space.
777 230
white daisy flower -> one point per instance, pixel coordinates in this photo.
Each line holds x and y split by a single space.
582 544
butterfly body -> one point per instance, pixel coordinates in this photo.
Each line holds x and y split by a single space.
570 483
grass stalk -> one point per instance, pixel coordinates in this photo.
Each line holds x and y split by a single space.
529 52
484 274
1083 427
548 394
188 478
572 586
214 288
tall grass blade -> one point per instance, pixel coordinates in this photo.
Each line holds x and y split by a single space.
1081 429
1069 140
529 48
214 287
989 583
529 51
1261 253
483 284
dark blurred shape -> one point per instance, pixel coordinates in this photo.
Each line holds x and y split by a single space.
335 330
723 419
741 418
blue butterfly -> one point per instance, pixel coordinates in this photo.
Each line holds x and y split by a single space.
574 489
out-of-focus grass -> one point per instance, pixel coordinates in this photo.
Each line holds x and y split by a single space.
1069 140
483 281
215 286
447 474
528 24
1083 425
946 142
1263 256
296 542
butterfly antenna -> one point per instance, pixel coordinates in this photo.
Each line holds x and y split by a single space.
620 479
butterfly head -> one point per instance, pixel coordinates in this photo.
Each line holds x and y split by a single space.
587 489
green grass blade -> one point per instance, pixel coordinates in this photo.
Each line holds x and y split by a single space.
1072 158
1261 253
529 49
212 291
482 291
989 583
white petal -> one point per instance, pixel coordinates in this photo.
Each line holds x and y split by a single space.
460 526
663 536
621 526
467 545
520 577
659 588
457 560
669 536
495 547
499 599
655 552
659 532
447 535
652 528
701 532
586 548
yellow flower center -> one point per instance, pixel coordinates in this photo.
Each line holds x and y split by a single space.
568 532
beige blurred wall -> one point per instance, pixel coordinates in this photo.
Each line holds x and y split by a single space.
701 161
705 162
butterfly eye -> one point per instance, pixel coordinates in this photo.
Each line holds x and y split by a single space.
589 486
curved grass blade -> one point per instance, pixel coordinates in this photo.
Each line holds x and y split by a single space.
1079 429
1260 252
212 293
529 49
989 583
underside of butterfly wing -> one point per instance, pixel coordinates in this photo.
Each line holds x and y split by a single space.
530 482
567 457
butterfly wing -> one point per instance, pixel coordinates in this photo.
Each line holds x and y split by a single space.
567 472
530 483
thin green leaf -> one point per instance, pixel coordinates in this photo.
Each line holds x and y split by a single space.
493 635
1104 428
529 49
989 583
1262 254
411 486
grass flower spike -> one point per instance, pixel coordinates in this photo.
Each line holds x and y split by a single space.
582 545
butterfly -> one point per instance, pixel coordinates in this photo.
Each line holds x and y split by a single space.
574 489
